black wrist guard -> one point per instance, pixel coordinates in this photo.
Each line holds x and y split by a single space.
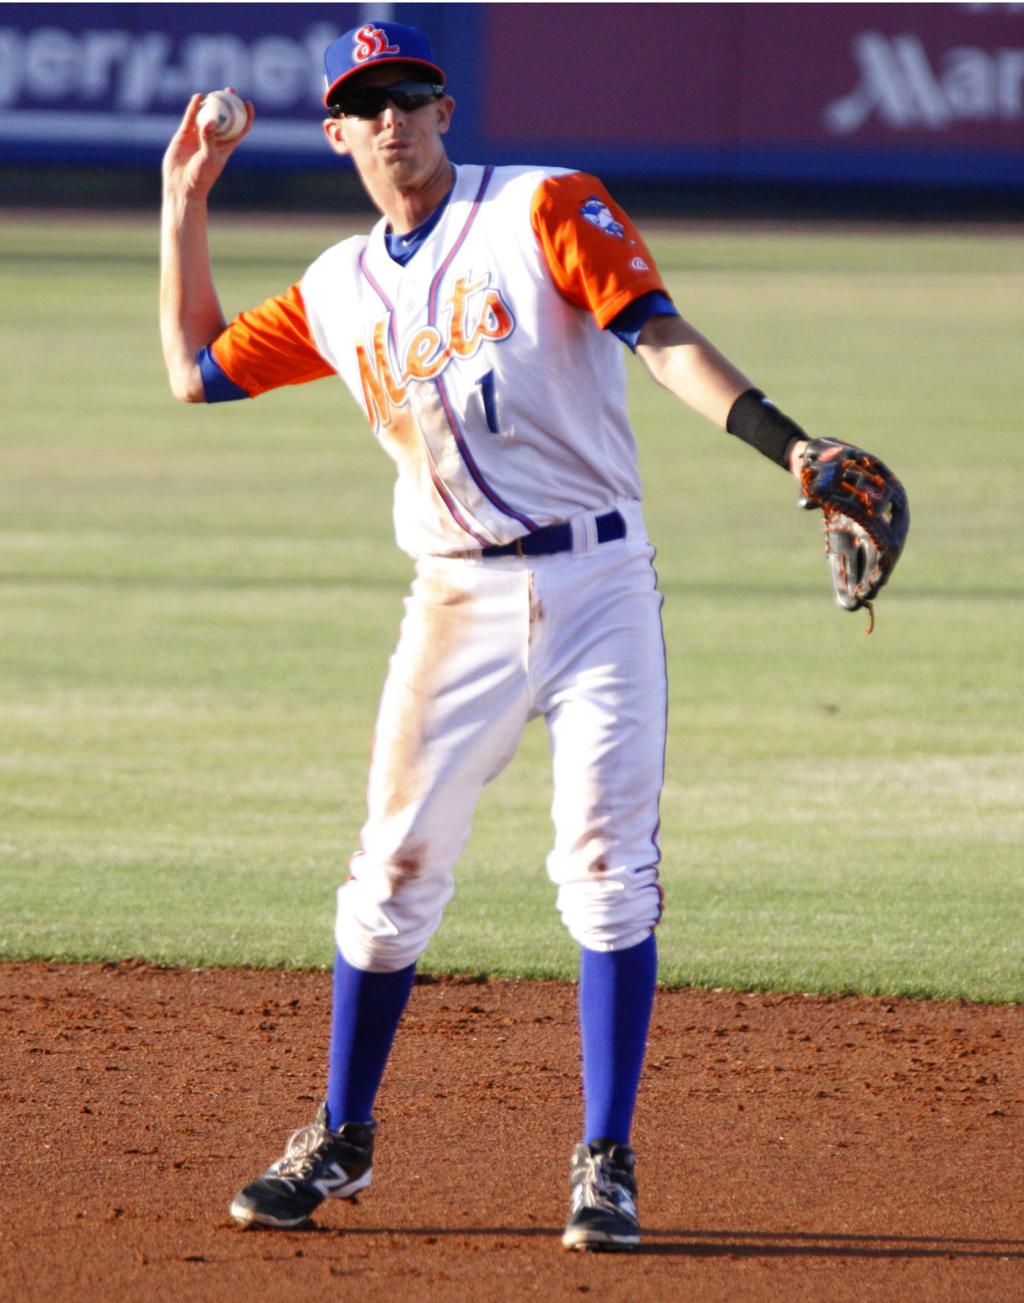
757 421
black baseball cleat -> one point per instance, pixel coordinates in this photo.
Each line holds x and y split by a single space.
318 1164
603 1186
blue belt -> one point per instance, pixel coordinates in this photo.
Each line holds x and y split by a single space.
558 538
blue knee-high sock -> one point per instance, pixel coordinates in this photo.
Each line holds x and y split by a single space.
364 1018
616 997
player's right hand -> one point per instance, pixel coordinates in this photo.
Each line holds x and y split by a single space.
195 158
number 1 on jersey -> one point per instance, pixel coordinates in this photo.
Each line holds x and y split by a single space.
486 383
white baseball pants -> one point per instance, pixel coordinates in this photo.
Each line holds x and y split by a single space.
487 644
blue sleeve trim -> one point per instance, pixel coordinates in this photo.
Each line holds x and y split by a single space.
628 323
217 386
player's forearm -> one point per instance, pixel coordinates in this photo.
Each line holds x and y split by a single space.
689 366
686 364
190 312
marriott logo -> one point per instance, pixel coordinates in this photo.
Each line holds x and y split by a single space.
903 88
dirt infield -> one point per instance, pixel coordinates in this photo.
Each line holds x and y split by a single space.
790 1148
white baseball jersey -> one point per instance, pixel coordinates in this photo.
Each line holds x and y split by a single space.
484 368
483 365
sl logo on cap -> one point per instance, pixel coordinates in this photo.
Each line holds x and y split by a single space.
370 43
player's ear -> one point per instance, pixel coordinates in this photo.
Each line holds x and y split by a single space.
445 108
335 132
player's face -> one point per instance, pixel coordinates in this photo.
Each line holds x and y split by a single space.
402 148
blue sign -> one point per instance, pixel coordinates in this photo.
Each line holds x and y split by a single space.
895 93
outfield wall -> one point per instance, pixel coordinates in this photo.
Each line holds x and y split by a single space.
927 94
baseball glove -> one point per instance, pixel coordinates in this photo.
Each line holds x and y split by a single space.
865 514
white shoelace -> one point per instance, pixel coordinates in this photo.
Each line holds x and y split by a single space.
299 1151
599 1189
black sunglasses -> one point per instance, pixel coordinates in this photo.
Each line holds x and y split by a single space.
368 101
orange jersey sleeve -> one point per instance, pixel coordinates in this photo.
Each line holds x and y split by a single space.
270 346
595 254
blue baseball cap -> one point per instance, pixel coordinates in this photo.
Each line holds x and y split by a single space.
374 44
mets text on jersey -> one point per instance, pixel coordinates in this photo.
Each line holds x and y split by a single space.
474 311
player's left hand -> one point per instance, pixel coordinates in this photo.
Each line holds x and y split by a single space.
866 517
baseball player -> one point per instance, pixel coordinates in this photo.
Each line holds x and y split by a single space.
480 326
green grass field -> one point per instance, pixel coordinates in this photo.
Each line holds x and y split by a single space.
198 605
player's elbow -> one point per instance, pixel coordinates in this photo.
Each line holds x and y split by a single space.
186 384
657 362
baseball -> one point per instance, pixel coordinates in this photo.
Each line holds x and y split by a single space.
226 110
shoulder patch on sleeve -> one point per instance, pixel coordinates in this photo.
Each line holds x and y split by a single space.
597 212
595 254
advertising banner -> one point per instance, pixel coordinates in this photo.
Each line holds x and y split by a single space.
858 92
112 80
